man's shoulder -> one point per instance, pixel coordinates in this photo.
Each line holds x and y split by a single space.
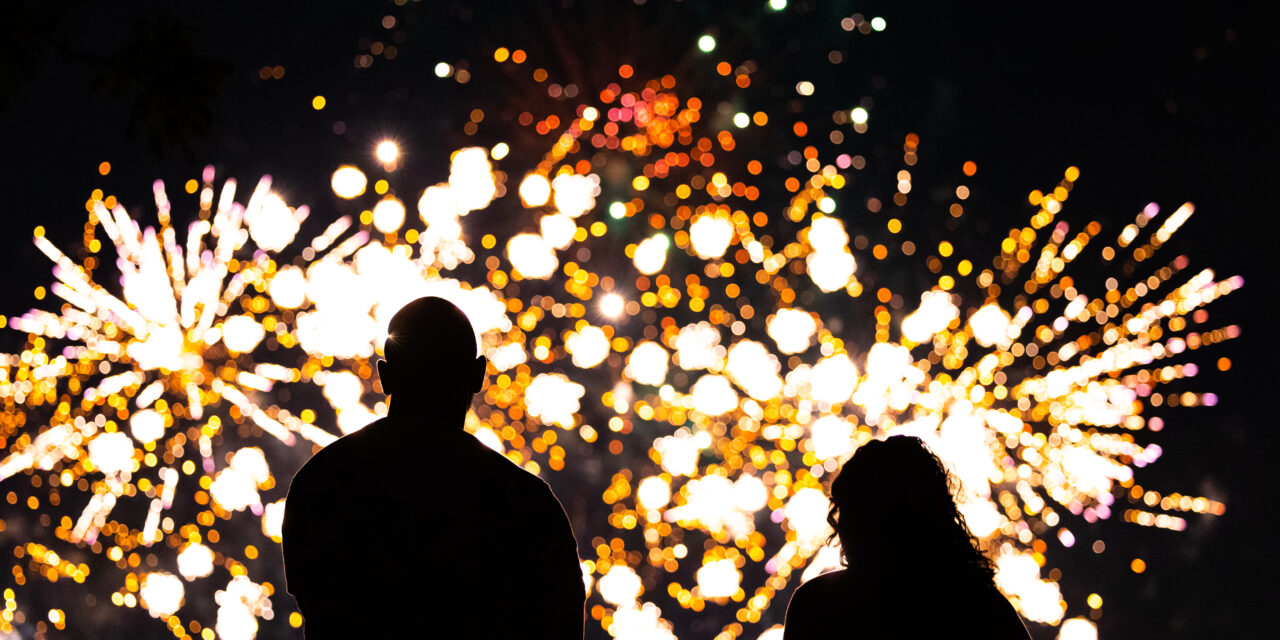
525 489
505 467
333 458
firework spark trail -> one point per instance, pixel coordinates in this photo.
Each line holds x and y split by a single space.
171 346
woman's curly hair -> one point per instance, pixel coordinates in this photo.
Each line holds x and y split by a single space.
896 492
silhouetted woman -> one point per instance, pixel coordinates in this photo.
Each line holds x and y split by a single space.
913 568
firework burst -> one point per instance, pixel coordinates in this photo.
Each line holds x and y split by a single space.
679 321
129 399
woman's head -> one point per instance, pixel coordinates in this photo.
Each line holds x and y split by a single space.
893 500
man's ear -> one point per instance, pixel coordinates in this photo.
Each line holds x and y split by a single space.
477 373
386 376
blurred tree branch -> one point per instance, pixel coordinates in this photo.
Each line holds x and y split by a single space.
171 90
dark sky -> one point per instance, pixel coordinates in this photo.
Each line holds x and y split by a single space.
1159 102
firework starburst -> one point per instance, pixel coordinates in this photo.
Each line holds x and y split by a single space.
688 329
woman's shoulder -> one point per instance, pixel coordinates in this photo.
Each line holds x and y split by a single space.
821 592
829 581
812 606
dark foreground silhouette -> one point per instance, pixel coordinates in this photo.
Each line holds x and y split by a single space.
913 569
411 527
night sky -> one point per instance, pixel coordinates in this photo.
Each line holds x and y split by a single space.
1165 103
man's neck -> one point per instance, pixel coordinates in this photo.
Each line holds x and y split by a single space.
440 412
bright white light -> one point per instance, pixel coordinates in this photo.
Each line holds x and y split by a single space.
506 356
349 182
288 287
713 395
981 517
272 225
777 5
553 398
878 24
147 425
252 462
707 44
234 489
806 514
161 593
489 438
443 69
621 586
161 348
804 88
471 179
890 380
1077 629
341 388
575 194
589 346
935 313
711 235
830 265
239 607
754 369
242 333
750 494
273 519
718 579
832 437
792 330
697 346
886 360
387 152
195 561
830 270
651 254
990 325
709 500
612 305
1018 574
741 120
535 190
858 115
834 378
653 493
437 203
532 256
826 559
647 364
640 623
617 211
499 151
828 234
776 631
388 214
111 453
557 229
679 452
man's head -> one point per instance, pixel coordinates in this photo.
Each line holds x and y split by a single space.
431 353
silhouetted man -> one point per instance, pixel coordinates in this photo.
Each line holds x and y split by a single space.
411 527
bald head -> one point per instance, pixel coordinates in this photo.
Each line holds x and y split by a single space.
430 329
431 355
